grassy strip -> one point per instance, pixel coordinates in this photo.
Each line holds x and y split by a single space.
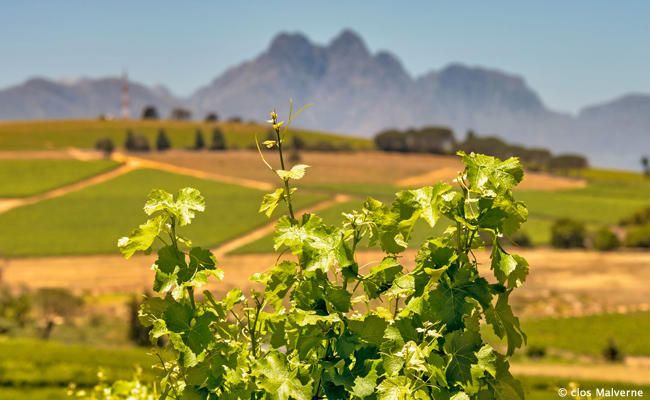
33 363
24 178
588 334
60 134
85 221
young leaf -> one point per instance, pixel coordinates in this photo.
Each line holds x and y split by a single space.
381 277
271 201
297 172
189 200
396 388
159 200
487 174
143 237
510 268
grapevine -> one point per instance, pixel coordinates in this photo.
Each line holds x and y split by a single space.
323 329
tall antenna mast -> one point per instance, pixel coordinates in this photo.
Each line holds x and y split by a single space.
125 96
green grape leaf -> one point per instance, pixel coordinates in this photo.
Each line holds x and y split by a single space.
316 245
339 298
487 359
370 330
164 282
271 201
365 385
506 267
278 380
384 227
234 296
280 279
153 309
170 258
516 212
506 324
396 388
199 336
503 386
189 200
143 237
178 317
297 172
462 347
201 259
487 174
449 304
320 252
346 344
402 331
381 277
159 200
424 202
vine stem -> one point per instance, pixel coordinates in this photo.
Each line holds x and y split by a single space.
287 192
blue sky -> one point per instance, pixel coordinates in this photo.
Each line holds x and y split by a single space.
572 52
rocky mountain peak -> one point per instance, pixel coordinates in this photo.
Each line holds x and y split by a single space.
347 44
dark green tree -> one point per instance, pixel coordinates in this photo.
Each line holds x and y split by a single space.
162 141
211 117
150 112
391 140
199 143
218 140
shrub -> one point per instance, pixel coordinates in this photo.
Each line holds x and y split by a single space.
180 114
136 142
638 236
162 141
211 117
150 112
235 119
606 240
105 144
612 353
333 341
641 217
567 233
536 352
218 140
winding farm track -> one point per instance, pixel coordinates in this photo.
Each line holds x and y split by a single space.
130 163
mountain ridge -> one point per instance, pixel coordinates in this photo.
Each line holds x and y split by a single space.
358 92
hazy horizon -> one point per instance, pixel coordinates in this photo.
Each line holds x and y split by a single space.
572 54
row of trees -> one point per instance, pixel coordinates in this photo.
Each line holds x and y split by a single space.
183 114
140 142
441 140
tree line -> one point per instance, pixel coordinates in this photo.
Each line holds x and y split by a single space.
441 140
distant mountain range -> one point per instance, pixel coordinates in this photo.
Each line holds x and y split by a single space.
355 92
